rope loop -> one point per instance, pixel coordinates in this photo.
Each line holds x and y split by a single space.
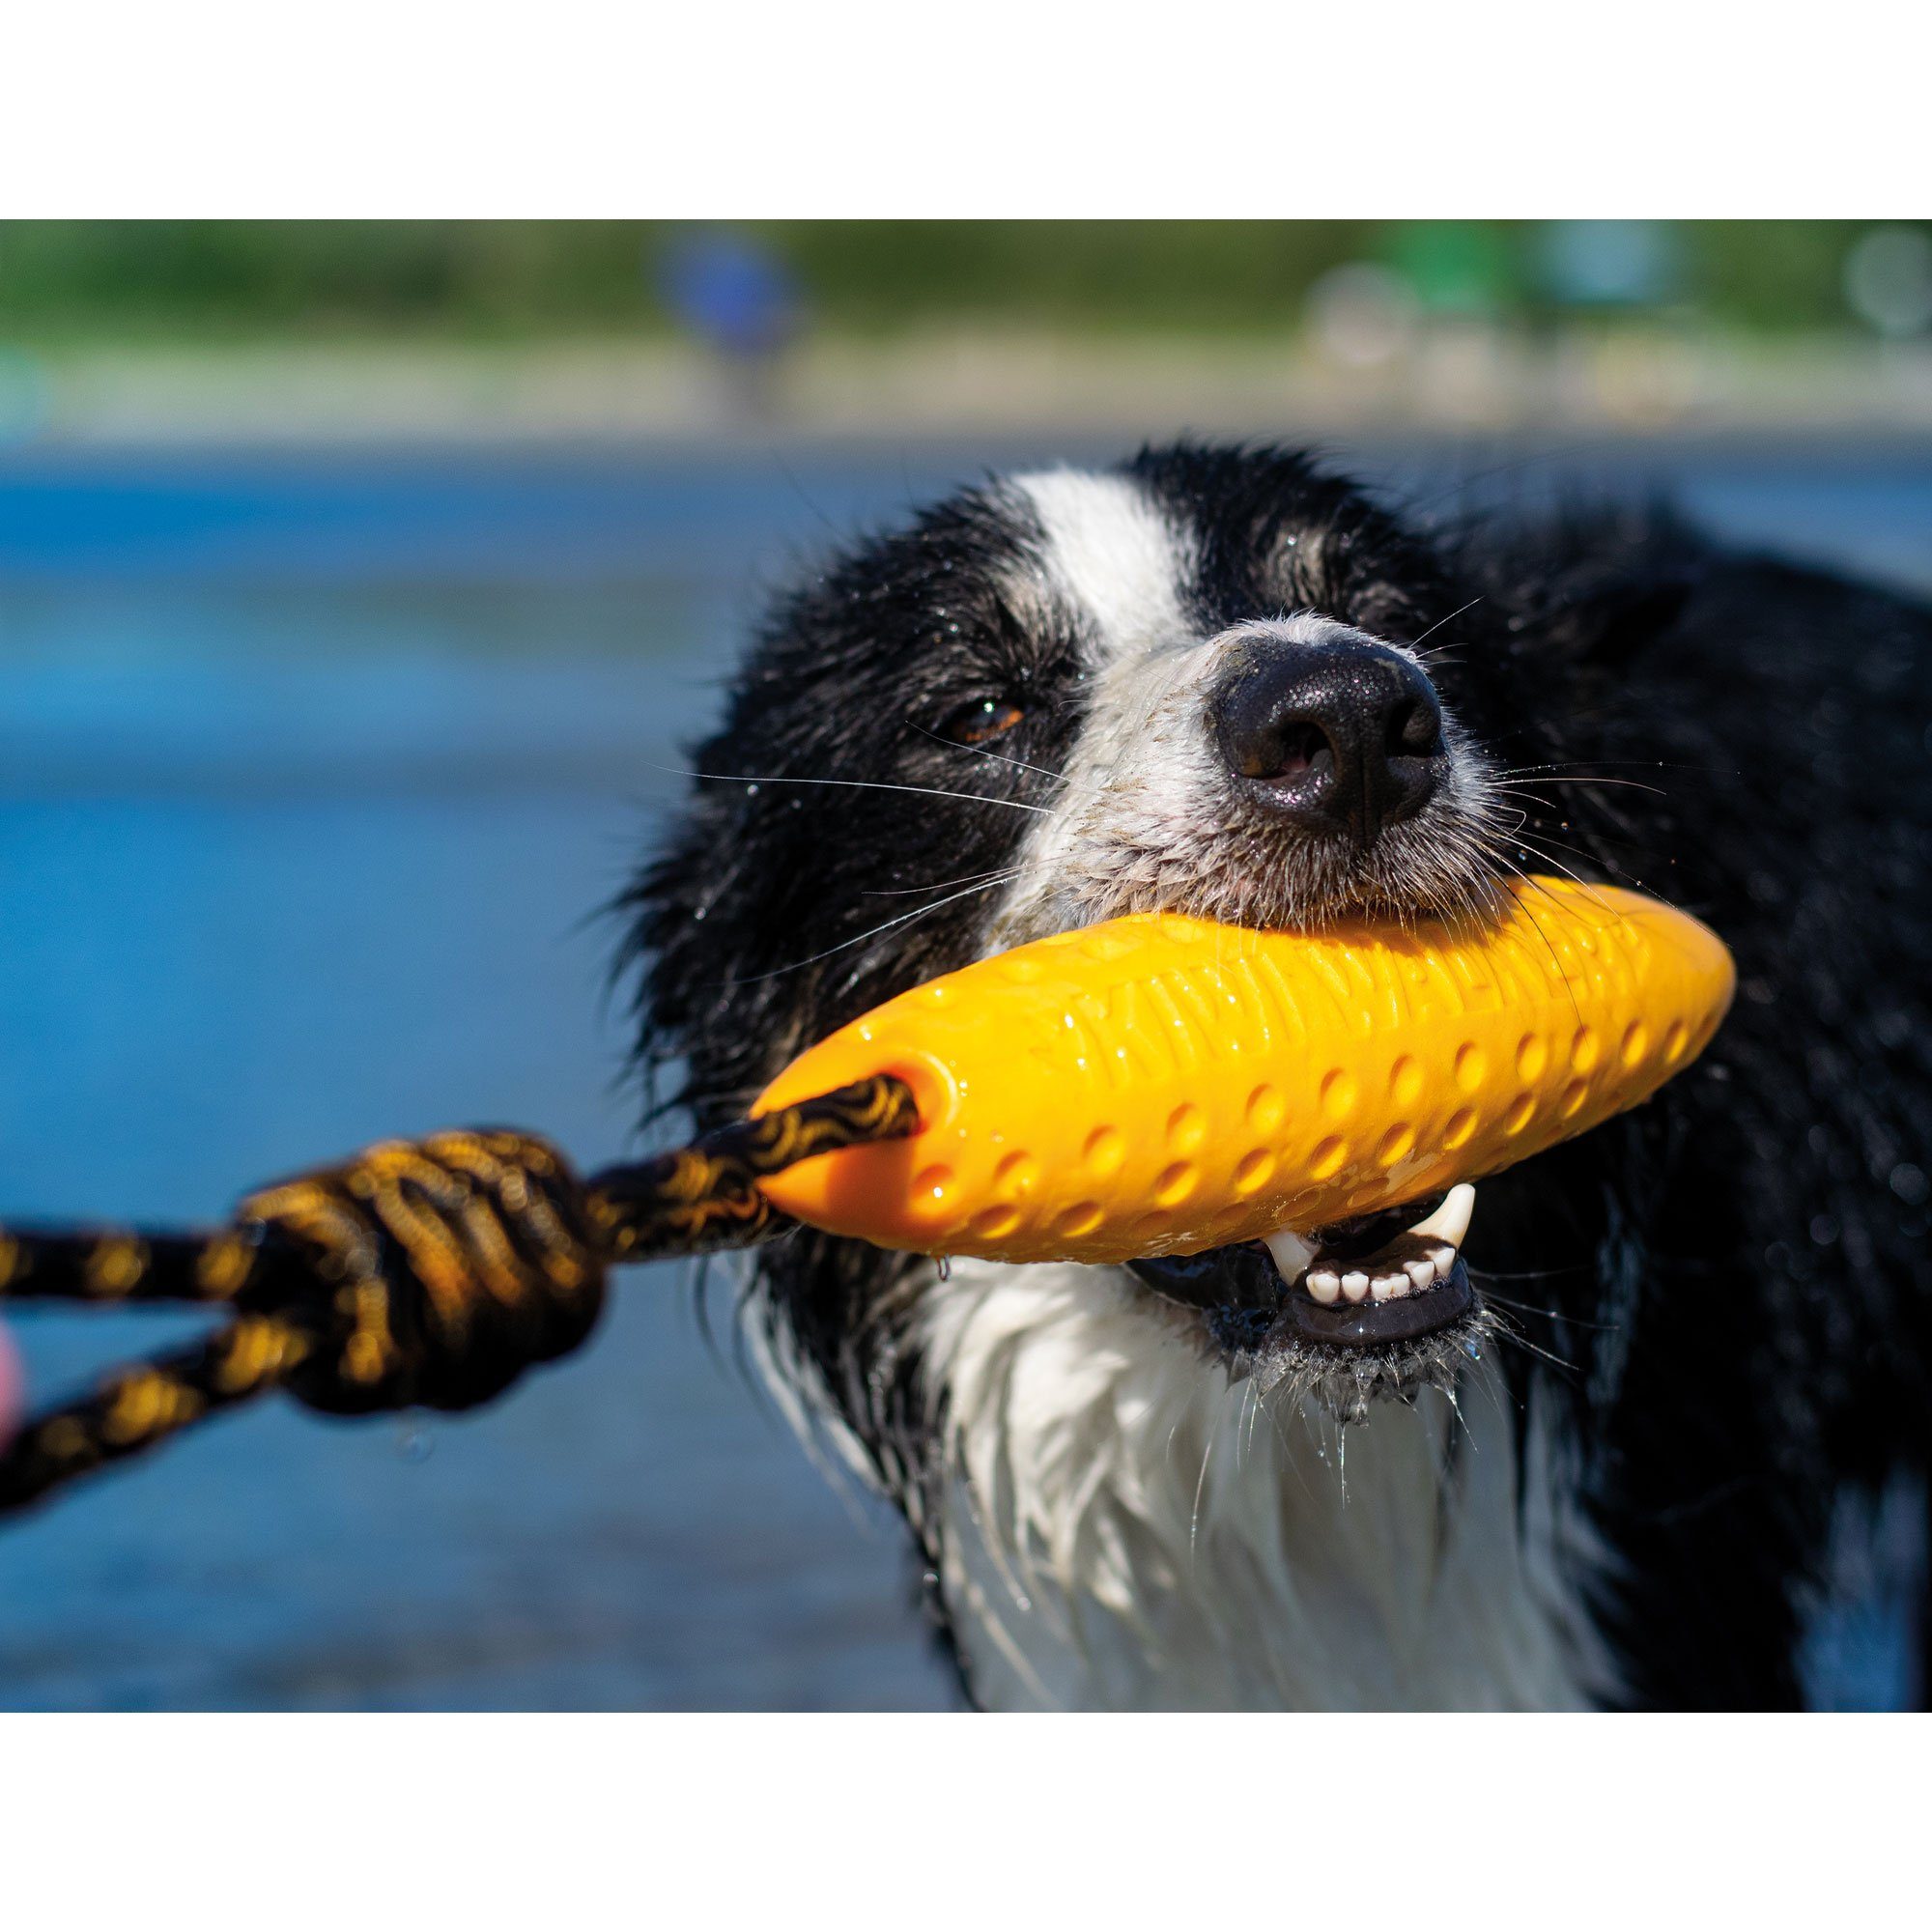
441 1268
429 1272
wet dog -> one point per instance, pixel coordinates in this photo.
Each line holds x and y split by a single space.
1659 1436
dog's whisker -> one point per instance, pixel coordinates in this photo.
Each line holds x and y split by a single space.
858 939
856 784
1489 1294
985 752
936 886
1541 837
1505 781
1517 792
1507 1331
1532 847
1416 644
1625 764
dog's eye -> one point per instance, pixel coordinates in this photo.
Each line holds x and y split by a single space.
981 721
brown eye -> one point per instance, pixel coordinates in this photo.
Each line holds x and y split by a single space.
981 721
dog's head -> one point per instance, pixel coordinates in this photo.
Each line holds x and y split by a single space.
1215 681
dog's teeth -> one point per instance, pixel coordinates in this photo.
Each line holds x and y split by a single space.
1420 1273
1450 1222
1355 1285
1389 1287
1444 1257
1323 1284
1292 1254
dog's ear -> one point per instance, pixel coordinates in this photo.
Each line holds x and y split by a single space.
1598 583
1614 614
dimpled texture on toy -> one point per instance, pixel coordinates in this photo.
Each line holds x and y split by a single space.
1161 1085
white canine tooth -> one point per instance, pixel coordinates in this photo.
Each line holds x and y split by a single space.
1389 1287
1355 1285
1450 1221
1292 1254
1420 1273
1323 1284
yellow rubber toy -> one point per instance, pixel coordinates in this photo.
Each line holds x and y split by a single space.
1159 1085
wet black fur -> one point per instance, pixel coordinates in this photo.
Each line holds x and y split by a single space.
1734 1280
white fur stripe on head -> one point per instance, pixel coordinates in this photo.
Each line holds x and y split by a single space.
1112 554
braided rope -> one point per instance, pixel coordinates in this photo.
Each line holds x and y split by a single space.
429 1272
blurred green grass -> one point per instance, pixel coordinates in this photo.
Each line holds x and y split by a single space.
71 283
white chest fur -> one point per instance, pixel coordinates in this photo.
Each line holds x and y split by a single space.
1125 1529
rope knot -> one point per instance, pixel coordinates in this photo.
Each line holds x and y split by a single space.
441 1268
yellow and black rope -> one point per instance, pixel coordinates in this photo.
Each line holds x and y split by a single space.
428 1272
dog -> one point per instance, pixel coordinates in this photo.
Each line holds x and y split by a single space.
1667 1444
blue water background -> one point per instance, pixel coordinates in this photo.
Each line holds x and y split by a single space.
314 773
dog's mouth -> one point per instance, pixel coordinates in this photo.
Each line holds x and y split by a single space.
1373 1283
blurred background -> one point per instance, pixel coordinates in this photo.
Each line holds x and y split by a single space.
611 332
359 586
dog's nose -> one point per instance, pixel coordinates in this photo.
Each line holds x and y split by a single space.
1343 736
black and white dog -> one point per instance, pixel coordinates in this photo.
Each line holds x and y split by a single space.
1685 1425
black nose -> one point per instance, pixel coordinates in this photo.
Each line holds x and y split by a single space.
1343 736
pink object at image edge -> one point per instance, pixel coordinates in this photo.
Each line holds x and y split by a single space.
12 1388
